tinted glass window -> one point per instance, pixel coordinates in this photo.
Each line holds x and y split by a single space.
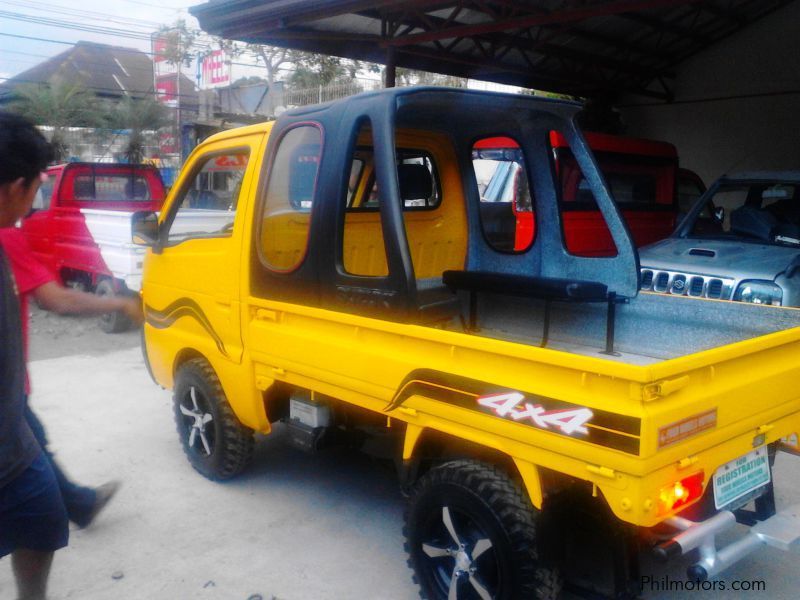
584 228
286 217
506 207
363 249
416 174
635 182
111 188
689 190
762 211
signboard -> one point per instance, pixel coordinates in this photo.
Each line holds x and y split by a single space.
167 90
741 476
167 144
160 43
215 70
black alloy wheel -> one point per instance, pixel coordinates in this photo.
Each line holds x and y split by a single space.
217 445
470 535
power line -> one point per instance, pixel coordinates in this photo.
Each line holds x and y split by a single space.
119 48
99 29
73 25
50 7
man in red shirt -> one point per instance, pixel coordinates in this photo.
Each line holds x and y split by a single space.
33 519
34 279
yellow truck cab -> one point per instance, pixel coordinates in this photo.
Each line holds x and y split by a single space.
536 404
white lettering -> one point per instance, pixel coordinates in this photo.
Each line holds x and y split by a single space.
508 405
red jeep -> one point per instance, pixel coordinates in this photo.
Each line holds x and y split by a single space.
642 176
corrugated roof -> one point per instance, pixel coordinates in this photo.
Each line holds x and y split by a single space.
108 71
586 48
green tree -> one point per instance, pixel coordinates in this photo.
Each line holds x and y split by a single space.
59 104
273 59
138 115
179 50
408 77
314 70
179 43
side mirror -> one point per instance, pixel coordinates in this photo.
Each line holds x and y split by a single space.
719 214
144 229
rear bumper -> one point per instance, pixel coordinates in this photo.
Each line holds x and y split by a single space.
781 531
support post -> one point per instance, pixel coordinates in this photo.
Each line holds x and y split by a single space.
391 67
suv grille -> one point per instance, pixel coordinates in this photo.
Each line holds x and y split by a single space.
686 284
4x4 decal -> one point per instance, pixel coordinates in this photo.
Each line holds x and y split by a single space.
600 427
513 405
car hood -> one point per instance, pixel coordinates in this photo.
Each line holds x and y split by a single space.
719 258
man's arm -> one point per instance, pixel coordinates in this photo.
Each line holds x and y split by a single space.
67 301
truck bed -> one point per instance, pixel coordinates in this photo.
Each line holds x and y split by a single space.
650 328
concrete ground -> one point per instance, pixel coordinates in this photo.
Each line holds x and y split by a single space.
293 527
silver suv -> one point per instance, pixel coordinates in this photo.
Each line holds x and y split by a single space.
740 241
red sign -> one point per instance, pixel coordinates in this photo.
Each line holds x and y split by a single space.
160 43
167 90
215 70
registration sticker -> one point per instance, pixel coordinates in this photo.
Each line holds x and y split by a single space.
741 476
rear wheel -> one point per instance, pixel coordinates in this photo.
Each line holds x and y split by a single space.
217 444
113 322
471 534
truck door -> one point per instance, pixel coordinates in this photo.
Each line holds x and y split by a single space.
38 225
192 286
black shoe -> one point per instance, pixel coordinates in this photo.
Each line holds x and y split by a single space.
104 493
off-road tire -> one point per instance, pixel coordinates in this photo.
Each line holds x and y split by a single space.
113 322
231 443
480 495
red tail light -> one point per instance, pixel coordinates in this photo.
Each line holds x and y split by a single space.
681 493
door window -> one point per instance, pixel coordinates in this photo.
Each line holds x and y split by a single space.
207 203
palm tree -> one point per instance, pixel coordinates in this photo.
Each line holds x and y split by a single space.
58 104
138 115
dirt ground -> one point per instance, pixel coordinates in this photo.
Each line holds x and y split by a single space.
54 336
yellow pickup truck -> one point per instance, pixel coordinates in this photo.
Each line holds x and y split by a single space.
344 280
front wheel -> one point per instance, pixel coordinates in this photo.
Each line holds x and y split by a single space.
471 535
217 444
113 322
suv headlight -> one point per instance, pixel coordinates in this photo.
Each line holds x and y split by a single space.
759 292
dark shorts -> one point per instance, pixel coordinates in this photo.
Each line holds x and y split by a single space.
32 513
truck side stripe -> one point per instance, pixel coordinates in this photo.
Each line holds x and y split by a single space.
182 307
608 429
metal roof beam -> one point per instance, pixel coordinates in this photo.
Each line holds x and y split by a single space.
561 16
662 26
284 13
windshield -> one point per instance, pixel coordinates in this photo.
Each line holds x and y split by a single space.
758 211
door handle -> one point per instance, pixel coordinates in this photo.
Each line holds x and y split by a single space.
262 314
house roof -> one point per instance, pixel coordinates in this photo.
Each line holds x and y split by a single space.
587 48
108 71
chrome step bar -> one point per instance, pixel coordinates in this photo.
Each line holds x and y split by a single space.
781 531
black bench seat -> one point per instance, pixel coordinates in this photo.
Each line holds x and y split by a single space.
548 289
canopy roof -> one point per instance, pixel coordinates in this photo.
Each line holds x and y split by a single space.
584 48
